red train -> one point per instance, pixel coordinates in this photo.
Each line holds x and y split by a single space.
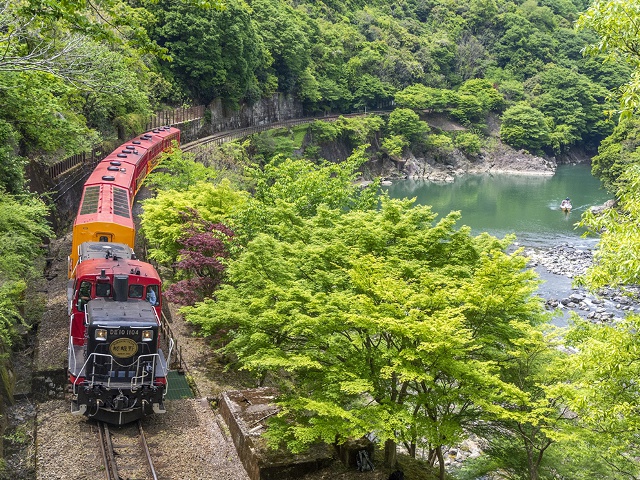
117 369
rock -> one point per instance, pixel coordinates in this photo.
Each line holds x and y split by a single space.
598 210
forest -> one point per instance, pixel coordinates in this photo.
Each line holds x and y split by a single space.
370 315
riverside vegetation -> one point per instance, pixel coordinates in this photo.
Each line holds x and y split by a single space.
369 314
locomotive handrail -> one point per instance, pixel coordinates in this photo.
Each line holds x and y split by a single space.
110 361
141 368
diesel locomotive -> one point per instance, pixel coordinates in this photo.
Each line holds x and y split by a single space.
116 364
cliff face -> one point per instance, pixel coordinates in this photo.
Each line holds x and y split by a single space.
499 158
495 157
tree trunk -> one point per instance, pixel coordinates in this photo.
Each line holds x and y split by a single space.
431 459
533 466
440 461
412 450
390 453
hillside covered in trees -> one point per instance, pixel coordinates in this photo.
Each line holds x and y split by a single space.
369 314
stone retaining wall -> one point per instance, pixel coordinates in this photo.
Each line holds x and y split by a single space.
245 413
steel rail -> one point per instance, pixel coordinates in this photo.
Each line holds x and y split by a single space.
145 447
108 456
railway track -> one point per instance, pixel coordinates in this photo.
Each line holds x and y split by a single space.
125 453
202 145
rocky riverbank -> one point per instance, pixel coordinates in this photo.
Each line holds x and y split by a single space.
563 264
494 157
500 158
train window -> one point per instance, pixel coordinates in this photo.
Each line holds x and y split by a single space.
85 289
84 294
135 291
152 294
103 289
103 238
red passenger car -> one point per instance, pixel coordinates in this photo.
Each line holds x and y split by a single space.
105 207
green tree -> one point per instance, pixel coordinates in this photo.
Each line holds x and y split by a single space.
41 110
23 228
378 321
120 98
360 130
488 96
285 35
370 91
287 188
214 53
468 142
162 218
601 391
532 443
419 97
467 109
570 99
524 127
616 255
617 152
48 36
406 122
440 145
617 23
179 171
523 48
394 146
12 178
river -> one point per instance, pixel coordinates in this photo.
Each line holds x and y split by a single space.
526 205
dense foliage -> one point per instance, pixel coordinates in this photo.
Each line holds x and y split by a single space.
467 60
23 227
374 320
400 320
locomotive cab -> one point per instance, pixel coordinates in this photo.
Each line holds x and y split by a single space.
119 374
95 278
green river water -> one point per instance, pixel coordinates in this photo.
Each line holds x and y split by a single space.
527 205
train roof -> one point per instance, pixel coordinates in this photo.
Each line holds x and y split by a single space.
124 158
163 132
108 312
119 175
135 269
105 250
105 203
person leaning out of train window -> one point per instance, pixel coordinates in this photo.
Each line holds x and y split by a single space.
152 296
84 295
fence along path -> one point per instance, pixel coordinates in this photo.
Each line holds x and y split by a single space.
169 117
201 145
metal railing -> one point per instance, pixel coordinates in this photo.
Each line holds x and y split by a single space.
175 116
92 157
181 115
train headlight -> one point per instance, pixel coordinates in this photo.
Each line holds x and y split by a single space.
147 335
101 334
